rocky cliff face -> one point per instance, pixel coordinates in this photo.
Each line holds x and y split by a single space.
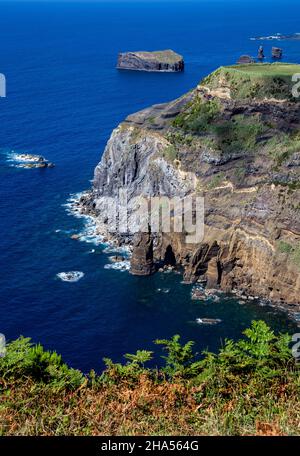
168 61
235 140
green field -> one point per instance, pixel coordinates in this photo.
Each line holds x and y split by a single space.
266 69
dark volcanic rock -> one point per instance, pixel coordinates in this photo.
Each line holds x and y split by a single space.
244 59
142 256
276 53
151 61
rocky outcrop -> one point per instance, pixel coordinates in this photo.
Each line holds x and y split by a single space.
245 59
235 141
30 161
260 54
277 53
142 255
165 61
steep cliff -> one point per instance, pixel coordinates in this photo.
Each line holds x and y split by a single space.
234 139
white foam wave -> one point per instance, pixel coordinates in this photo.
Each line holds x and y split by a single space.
119 266
25 158
90 234
208 321
116 249
71 276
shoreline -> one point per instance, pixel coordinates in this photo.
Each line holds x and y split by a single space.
115 244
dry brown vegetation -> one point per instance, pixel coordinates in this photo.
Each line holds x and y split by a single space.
250 388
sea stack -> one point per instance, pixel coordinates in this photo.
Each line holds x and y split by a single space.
261 54
277 53
164 61
141 263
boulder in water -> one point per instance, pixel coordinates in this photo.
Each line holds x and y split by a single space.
277 53
245 59
261 54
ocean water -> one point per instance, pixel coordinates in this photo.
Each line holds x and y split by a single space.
64 97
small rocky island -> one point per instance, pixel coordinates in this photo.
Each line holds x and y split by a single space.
29 161
164 61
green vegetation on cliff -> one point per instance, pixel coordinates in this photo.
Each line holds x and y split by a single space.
255 81
198 116
240 111
250 387
204 118
293 251
283 146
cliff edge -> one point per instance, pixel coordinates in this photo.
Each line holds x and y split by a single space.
234 139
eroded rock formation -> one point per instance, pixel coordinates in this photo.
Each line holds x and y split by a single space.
245 59
277 53
235 140
261 54
142 256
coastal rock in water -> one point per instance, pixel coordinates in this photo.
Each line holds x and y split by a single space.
36 165
261 54
208 321
245 59
117 258
30 158
277 53
142 256
71 276
29 161
167 60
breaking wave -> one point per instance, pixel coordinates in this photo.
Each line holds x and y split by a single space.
71 276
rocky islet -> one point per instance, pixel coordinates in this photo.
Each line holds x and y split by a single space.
156 61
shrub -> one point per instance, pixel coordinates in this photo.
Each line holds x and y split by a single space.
216 181
239 134
24 360
170 153
198 115
283 146
293 251
130 371
284 247
180 360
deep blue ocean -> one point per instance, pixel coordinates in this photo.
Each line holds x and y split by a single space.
64 97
